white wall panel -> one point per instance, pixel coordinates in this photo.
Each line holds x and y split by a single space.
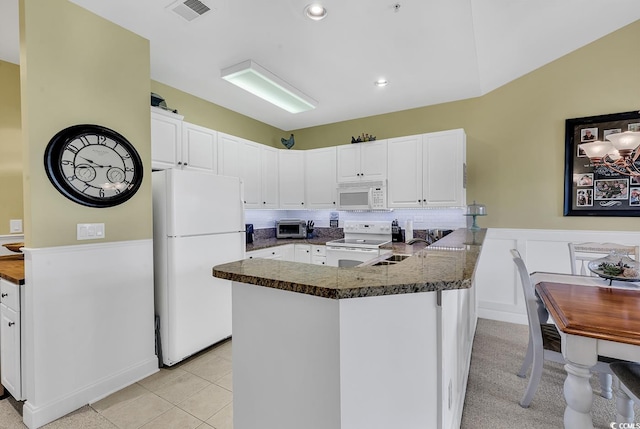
499 291
89 324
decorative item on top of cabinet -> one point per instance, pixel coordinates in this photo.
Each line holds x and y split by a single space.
363 138
288 143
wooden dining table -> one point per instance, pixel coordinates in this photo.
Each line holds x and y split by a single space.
593 321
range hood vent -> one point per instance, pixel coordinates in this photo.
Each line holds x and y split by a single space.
189 9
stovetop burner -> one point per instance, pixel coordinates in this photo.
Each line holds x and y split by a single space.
364 234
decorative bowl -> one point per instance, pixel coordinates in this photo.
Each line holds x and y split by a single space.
14 247
616 266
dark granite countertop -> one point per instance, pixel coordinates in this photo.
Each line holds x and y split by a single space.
447 264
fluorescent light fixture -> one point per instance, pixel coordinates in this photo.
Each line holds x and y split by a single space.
259 81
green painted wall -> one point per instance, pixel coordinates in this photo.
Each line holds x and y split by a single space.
209 115
10 146
515 134
74 69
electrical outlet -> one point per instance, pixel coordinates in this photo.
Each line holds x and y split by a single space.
90 231
15 226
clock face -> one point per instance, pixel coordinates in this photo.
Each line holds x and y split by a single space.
93 165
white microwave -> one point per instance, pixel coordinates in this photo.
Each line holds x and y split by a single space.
362 195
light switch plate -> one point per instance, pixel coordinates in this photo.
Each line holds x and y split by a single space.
15 226
90 231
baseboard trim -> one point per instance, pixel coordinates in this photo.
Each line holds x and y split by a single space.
502 316
36 416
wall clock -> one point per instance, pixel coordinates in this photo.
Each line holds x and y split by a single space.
93 165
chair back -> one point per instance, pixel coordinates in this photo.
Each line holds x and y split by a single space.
581 254
531 302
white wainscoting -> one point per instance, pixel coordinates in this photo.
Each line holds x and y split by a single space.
88 327
13 238
499 292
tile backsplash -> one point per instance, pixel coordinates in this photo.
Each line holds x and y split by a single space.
445 218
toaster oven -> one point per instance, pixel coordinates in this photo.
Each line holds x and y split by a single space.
291 228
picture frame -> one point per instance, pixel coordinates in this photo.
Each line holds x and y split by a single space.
598 191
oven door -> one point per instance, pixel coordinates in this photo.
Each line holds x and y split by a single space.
339 256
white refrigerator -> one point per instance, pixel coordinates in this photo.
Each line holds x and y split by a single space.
198 222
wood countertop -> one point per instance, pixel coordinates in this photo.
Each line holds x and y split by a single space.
447 264
12 268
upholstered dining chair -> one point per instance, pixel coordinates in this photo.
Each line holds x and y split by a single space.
627 389
545 342
580 254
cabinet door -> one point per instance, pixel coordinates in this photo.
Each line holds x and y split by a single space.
303 253
348 163
199 148
320 178
252 175
443 166
166 139
404 187
291 179
10 365
269 178
373 160
230 155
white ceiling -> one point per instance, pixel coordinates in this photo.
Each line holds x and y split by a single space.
431 51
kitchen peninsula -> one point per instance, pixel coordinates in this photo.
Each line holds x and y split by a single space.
374 346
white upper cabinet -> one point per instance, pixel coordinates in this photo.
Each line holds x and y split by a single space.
166 138
427 170
252 175
270 198
179 144
362 161
199 148
291 179
260 176
444 168
230 153
404 158
320 178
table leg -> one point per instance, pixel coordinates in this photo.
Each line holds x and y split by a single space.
579 397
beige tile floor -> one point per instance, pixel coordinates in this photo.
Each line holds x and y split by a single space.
193 394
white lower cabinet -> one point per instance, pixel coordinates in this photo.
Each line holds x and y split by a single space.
282 253
303 253
10 339
318 254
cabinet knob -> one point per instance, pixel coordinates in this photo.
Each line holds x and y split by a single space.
179 163
185 163
4 294
11 323
302 203
264 202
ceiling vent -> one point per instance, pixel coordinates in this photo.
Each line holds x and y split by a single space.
189 9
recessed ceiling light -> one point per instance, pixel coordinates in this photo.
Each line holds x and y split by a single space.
315 11
381 82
